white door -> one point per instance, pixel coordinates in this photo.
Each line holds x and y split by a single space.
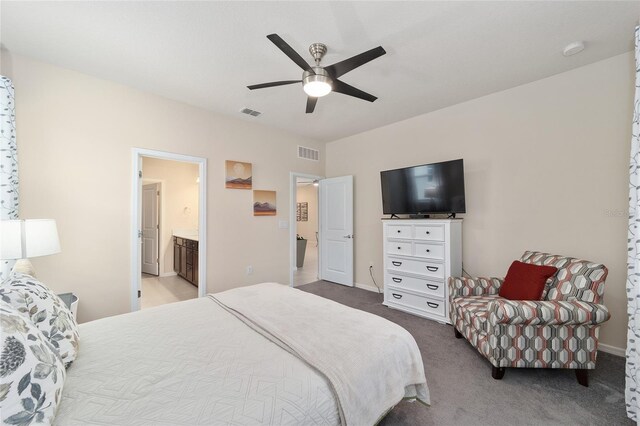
336 230
150 229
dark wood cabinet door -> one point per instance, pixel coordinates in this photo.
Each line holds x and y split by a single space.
176 258
189 265
185 259
183 262
195 267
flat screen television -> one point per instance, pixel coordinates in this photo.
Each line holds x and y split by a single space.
436 188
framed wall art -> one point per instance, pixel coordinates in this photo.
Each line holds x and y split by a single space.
264 203
238 175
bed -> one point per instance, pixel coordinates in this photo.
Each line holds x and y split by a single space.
263 354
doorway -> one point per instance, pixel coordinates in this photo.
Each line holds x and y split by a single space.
327 234
168 228
307 238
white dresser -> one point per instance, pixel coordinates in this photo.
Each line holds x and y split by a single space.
419 257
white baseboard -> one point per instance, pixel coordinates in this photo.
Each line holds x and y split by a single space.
614 350
168 274
367 287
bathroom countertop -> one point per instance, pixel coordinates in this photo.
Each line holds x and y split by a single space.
186 234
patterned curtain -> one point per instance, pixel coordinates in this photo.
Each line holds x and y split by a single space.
8 161
632 393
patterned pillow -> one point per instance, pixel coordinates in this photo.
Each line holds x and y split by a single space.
50 315
31 372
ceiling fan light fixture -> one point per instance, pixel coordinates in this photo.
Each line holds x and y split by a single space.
317 89
318 84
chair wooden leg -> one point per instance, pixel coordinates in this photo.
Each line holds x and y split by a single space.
457 333
583 377
497 372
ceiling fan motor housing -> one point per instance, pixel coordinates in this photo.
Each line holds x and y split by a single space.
320 76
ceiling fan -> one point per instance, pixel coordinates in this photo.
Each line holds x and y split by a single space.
319 81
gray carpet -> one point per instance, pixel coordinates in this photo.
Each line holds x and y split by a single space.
463 392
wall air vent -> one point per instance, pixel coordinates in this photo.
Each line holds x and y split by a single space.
250 112
308 153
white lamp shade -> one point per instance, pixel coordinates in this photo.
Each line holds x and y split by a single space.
21 239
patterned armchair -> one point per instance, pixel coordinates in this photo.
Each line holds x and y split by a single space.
560 331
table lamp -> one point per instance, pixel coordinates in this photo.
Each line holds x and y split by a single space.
23 239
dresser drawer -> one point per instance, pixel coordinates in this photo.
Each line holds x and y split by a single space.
429 232
425 304
431 288
429 250
429 269
395 247
399 231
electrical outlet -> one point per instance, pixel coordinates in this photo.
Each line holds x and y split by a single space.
249 270
371 264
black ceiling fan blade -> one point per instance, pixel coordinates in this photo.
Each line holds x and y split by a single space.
345 89
311 104
343 67
288 50
273 84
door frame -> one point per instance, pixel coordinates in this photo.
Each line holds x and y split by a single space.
293 224
136 218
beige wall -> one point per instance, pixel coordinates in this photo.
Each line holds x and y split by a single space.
178 201
75 135
309 194
546 168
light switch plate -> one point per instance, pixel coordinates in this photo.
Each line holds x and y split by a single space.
283 224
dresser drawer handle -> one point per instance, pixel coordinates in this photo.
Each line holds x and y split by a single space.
428 251
428 232
399 248
396 295
432 286
396 280
396 263
399 231
432 268
432 305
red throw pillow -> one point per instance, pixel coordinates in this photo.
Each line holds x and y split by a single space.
525 281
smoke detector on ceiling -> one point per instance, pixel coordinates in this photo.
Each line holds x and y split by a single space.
573 48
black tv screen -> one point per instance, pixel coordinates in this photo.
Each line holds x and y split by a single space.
427 189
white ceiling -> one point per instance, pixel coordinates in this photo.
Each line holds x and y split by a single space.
205 53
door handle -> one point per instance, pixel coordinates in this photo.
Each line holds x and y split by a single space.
432 268
396 280
432 305
432 286
348 236
397 296
396 263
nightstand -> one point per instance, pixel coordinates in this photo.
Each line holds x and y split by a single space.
71 300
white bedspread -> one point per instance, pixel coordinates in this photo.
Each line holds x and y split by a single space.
371 363
189 363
